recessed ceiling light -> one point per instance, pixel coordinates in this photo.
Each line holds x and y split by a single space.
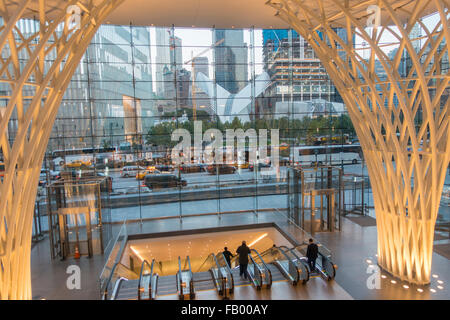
440 287
405 286
435 276
383 276
440 281
432 290
419 289
393 281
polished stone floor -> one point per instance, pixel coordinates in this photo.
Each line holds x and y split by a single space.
353 249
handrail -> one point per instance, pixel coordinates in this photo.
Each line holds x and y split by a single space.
122 236
140 278
330 268
221 280
191 280
256 277
117 287
228 268
292 266
104 288
179 278
264 264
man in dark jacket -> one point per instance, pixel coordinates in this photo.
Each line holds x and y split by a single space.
228 255
311 253
243 252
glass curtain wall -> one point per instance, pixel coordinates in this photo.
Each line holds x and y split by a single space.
136 85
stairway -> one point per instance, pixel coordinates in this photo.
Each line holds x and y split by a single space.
128 290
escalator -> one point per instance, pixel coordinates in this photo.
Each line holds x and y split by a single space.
272 265
324 267
185 280
258 271
215 273
282 260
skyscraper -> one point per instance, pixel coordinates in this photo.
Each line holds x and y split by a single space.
231 59
201 65
176 53
162 57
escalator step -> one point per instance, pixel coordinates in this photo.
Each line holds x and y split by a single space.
238 281
167 285
276 273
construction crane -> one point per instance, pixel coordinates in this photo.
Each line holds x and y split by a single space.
192 62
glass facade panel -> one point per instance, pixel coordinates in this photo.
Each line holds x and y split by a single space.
139 90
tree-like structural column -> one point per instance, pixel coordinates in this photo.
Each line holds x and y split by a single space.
35 70
396 94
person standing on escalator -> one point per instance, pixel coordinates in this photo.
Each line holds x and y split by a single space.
243 251
228 255
311 253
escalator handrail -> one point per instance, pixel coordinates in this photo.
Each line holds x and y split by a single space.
191 280
220 281
179 278
228 268
290 262
259 268
117 287
108 281
145 262
291 250
324 257
264 264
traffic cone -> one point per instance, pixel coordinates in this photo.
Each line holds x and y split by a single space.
77 253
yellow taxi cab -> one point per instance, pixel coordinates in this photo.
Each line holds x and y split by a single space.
78 164
141 174
241 165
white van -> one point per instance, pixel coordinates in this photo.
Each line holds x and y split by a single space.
130 171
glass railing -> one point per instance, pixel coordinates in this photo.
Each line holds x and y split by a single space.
145 281
221 274
278 257
226 272
111 271
324 264
303 271
185 278
298 234
266 275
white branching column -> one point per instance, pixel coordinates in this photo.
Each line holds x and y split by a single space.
35 70
398 103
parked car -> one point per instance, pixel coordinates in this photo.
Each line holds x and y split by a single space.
191 168
164 167
223 169
157 181
130 171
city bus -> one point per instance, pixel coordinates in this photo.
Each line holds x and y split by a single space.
331 155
